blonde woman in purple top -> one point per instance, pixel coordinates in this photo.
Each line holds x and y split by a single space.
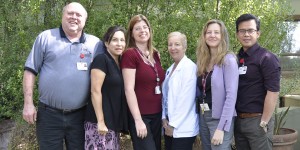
218 82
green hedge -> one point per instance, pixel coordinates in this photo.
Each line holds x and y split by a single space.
22 21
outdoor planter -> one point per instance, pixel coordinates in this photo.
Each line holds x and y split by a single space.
285 140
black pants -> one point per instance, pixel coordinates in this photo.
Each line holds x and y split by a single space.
53 128
185 143
153 139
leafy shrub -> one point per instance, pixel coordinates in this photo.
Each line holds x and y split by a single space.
21 21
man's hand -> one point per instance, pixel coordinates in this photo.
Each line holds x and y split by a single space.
29 113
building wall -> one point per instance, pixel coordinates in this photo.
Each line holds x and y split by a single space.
296 7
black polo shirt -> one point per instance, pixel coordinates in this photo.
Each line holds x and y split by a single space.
263 73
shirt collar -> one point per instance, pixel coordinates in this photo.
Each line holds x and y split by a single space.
63 35
251 51
181 62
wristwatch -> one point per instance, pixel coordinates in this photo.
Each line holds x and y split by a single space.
263 124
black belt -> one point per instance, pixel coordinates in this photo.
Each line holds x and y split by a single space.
64 111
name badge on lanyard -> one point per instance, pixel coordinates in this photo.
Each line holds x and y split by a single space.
243 68
204 106
153 66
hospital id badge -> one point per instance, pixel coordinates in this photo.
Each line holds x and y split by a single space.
204 107
82 66
243 70
157 90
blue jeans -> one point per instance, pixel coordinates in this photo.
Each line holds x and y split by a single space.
208 126
53 128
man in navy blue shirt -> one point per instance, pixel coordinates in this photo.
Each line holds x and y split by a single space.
258 91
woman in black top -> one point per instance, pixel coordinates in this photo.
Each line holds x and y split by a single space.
106 114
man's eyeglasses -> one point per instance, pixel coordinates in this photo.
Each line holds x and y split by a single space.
244 31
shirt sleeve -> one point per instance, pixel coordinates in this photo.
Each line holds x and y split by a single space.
100 48
231 78
129 59
35 59
270 69
100 62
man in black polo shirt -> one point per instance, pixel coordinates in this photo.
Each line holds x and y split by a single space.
258 90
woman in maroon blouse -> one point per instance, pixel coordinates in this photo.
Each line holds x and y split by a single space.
143 75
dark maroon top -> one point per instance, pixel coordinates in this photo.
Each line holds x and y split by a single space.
263 73
145 80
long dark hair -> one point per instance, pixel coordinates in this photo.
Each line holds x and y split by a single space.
110 33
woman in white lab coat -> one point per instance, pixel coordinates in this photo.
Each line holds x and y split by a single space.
179 117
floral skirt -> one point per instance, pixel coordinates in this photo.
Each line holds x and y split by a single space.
95 141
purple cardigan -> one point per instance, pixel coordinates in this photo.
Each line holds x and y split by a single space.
224 85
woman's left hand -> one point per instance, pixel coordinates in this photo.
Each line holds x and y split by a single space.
101 128
218 137
169 130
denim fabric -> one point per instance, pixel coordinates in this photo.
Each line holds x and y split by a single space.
53 128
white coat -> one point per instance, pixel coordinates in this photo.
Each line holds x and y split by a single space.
180 100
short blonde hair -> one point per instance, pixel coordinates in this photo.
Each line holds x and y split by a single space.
182 37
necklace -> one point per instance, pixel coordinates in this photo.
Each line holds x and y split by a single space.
146 59
146 54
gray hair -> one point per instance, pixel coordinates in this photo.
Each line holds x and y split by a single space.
182 37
